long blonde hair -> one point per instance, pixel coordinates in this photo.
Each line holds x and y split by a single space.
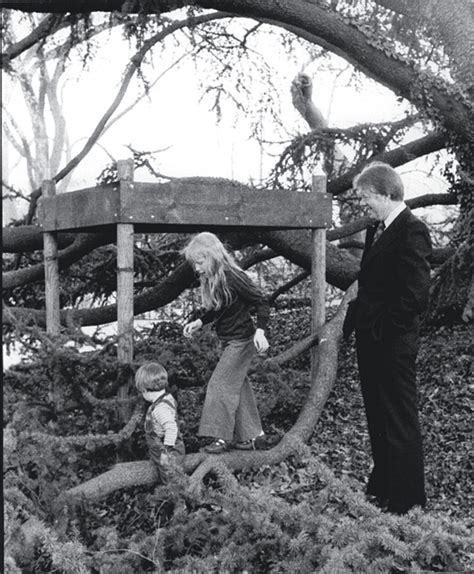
215 292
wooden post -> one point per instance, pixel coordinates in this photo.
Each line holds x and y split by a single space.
125 233
51 269
318 271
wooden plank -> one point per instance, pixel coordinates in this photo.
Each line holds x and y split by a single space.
231 205
125 241
81 209
318 273
51 269
186 204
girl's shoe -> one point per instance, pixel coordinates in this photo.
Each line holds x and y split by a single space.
217 447
245 445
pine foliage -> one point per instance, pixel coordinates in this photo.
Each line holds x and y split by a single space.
297 516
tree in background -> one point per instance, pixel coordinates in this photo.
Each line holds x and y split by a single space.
403 46
409 66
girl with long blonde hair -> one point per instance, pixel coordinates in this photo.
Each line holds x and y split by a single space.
230 415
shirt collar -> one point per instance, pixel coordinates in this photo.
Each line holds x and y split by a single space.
394 214
152 396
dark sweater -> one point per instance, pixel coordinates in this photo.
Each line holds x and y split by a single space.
234 321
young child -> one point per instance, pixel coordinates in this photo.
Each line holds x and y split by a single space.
164 442
230 410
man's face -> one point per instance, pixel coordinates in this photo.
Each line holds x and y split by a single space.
378 204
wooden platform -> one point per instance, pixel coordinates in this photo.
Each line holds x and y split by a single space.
184 205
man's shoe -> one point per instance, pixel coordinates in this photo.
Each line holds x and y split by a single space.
217 447
378 501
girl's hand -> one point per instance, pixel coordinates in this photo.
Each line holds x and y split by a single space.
191 328
260 341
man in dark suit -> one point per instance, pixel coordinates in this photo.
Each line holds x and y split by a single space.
393 291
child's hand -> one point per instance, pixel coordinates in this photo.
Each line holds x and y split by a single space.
191 328
260 341
165 459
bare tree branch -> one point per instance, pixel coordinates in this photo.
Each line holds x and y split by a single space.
48 26
130 71
22 148
317 23
287 286
257 257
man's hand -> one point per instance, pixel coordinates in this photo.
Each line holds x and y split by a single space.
190 328
260 341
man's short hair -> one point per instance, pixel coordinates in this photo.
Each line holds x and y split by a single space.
151 377
382 179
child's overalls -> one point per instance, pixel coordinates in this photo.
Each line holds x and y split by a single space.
154 442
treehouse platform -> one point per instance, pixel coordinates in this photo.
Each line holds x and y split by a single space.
183 206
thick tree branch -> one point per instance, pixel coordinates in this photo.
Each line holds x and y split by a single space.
426 200
453 21
295 350
143 473
164 293
29 238
408 152
315 23
83 244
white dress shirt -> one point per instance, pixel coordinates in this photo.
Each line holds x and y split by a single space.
394 214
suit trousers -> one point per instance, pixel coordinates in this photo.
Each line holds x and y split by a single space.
388 380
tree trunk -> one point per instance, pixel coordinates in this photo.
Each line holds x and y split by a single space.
349 209
142 472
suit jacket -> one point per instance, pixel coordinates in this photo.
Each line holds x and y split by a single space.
394 279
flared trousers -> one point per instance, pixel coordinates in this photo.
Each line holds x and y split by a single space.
230 410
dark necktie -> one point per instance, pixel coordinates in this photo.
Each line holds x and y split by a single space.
378 231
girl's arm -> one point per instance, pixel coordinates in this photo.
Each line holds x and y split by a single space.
204 315
198 319
255 298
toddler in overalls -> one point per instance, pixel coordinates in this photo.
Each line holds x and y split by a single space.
163 439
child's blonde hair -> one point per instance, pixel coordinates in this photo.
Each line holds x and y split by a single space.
215 292
151 377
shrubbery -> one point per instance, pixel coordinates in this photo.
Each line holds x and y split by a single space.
297 516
